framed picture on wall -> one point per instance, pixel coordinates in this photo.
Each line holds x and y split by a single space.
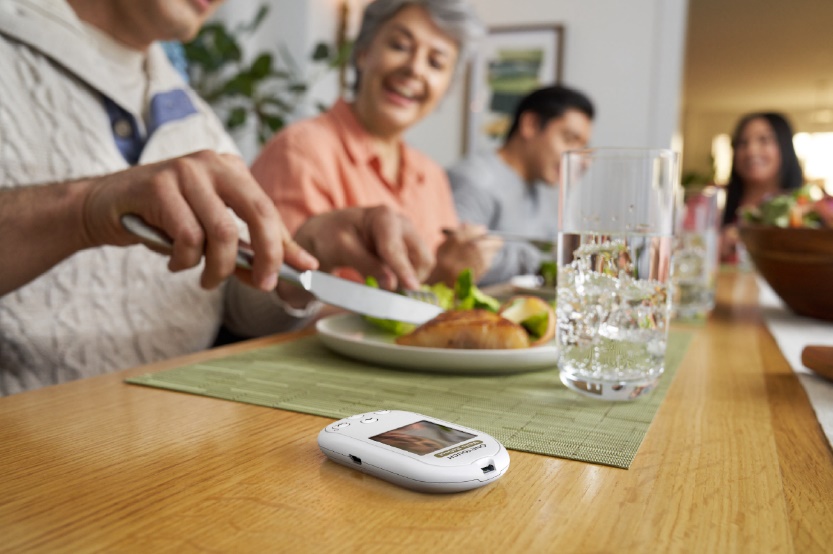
509 63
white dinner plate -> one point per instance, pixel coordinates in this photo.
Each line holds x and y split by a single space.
351 336
532 284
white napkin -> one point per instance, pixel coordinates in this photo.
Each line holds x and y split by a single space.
793 333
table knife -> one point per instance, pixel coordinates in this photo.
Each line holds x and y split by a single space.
330 289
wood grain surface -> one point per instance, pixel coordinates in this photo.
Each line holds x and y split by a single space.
734 461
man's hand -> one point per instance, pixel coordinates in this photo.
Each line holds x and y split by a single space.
187 198
470 247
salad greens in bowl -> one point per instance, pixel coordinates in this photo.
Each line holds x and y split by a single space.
790 241
806 207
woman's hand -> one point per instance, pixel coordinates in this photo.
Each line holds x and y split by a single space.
373 241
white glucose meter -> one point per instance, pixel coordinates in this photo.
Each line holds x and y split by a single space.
415 451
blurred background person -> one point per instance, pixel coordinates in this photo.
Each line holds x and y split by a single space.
515 189
764 164
405 57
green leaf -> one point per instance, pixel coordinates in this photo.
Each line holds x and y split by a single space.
536 325
444 294
470 297
321 52
236 118
464 285
549 271
395 327
196 53
212 48
274 122
258 19
227 47
262 66
239 84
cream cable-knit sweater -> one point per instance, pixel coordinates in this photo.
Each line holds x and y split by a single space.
107 308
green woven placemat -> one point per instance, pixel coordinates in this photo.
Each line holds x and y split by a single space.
532 412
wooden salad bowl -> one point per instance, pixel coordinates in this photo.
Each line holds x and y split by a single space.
797 263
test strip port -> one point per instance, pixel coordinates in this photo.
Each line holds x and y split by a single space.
488 469
357 460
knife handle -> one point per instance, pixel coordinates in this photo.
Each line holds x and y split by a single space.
289 274
155 237
819 359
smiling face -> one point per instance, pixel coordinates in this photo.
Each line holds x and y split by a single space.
404 72
757 155
140 23
544 147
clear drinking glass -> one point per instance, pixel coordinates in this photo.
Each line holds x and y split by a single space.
696 258
616 228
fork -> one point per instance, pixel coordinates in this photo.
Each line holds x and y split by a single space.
542 244
421 295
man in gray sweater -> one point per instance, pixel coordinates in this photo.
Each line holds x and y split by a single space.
515 189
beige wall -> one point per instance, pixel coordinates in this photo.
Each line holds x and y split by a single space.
699 128
698 131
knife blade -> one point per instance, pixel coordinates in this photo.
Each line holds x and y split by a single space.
327 288
360 298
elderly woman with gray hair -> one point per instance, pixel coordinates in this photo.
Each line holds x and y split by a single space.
405 57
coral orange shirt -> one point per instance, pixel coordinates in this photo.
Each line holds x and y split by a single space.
328 162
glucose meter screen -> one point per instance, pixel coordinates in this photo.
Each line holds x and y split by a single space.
422 437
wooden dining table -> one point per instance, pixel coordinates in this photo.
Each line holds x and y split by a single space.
734 461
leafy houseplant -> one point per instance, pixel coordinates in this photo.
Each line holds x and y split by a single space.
268 88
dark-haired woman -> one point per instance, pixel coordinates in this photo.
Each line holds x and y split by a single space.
764 165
